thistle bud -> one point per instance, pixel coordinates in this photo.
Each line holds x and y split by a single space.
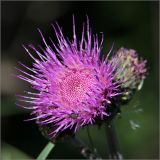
130 71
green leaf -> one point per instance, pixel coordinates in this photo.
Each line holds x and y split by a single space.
45 152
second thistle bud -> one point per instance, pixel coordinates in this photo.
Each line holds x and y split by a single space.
130 71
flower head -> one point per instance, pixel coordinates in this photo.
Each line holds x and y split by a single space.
130 70
71 81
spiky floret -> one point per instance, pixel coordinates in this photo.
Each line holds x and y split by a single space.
72 82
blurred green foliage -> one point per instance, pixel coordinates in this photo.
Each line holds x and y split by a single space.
10 152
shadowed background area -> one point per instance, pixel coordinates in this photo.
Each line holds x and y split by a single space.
129 24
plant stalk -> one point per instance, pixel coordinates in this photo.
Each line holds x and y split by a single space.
113 144
46 151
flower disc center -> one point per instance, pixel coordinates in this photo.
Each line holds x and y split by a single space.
75 86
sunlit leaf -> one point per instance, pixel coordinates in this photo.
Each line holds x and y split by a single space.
10 152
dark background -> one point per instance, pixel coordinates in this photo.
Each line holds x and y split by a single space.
129 24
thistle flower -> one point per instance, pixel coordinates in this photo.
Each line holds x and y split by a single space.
73 86
130 70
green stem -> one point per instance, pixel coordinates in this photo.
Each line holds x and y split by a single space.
113 145
45 152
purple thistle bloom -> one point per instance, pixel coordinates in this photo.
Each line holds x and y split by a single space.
73 85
